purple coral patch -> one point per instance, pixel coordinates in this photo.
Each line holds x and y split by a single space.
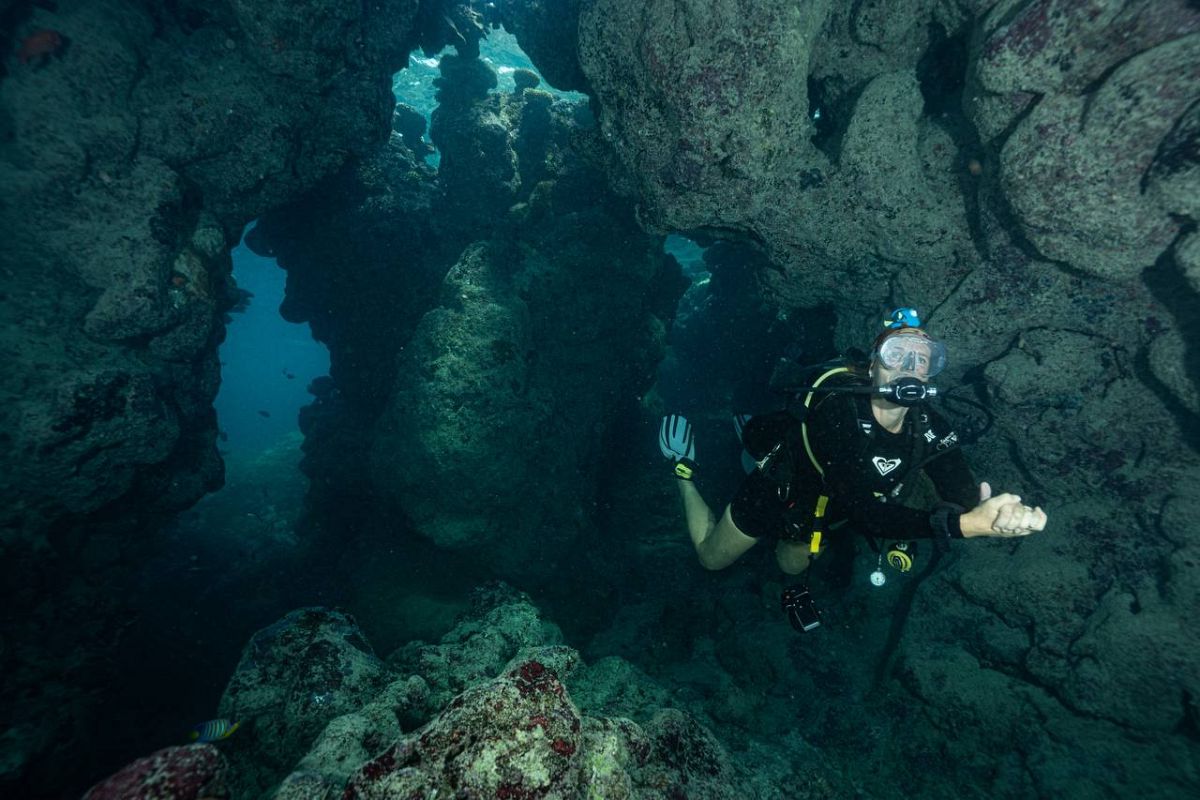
173 773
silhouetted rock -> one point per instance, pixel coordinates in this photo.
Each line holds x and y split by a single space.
410 124
525 79
549 35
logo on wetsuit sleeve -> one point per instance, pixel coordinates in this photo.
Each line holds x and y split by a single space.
948 441
885 465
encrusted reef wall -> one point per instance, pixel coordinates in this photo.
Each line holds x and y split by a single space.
136 140
139 138
1026 173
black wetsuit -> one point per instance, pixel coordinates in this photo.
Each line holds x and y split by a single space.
869 473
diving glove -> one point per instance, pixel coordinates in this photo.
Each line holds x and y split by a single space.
678 444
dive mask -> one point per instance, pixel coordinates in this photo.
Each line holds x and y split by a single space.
912 352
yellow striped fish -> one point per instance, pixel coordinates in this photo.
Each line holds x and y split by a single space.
214 730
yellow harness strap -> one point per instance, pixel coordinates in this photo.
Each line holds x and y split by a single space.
818 527
804 425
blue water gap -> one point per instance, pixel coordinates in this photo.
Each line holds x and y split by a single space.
267 362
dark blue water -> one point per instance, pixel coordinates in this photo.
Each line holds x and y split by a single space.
266 362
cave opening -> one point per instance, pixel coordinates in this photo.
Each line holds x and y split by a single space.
245 555
235 556
415 91
267 363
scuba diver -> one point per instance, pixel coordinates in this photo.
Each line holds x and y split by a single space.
845 460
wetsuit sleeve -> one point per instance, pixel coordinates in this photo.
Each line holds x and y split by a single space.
756 509
836 441
948 469
953 479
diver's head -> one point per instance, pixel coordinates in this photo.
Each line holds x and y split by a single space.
905 350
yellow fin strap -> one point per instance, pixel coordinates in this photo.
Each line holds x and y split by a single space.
682 470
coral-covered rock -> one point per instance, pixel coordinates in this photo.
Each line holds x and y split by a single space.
1062 46
614 687
520 736
685 754
350 740
502 623
391 227
294 678
131 160
478 169
1167 359
1077 169
512 737
307 786
669 79
191 772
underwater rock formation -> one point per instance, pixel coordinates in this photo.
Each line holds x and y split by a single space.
511 736
521 317
1089 168
1024 171
709 115
548 33
510 728
478 168
364 262
528 240
136 140
501 623
135 156
474 360
294 677
191 772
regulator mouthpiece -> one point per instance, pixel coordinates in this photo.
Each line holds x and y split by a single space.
907 391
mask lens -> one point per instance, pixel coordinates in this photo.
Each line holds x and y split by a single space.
915 355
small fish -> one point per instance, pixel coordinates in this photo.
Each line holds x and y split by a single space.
291 376
262 413
214 730
40 46
223 436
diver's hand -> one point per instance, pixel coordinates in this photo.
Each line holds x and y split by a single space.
1002 515
678 444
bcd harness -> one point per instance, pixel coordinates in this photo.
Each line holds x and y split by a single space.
778 467
818 521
